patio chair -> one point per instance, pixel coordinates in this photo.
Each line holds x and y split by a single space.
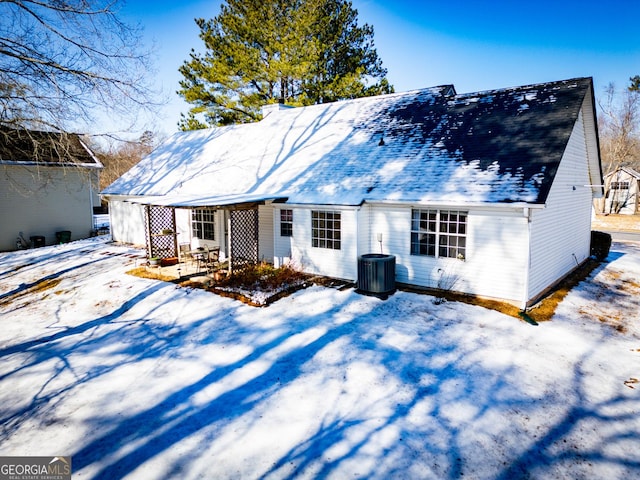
212 258
184 253
200 257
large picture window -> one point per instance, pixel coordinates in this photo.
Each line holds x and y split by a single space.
286 223
439 233
325 229
203 224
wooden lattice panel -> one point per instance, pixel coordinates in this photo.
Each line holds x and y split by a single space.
159 221
244 238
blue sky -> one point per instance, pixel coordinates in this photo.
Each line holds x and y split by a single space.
473 45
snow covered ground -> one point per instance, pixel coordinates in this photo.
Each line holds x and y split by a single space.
142 379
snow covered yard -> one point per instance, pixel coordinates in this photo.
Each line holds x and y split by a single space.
142 379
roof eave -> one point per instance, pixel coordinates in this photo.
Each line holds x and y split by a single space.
31 163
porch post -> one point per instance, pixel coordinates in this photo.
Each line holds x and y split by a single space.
147 211
175 232
230 253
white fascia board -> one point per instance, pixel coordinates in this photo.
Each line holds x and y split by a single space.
323 206
458 206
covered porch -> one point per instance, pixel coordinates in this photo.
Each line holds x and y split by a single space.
238 247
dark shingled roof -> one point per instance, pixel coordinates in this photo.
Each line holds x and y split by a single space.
424 146
522 131
47 148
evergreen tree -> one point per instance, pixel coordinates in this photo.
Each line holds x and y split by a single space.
635 84
298 52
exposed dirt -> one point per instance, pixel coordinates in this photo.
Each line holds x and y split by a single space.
616 222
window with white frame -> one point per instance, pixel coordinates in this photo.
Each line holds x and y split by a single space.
619 185
203 225
286 223
439 233
325 229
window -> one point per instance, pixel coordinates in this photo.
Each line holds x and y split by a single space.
203 223
439 233
325 229
286 223
619 185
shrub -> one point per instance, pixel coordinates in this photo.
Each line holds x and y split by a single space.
263 276
600 245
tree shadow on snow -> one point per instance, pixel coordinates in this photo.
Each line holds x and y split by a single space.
395 399
448 394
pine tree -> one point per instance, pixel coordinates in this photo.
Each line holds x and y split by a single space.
635 84
298 52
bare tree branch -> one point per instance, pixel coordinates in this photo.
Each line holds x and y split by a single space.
619 128
67 64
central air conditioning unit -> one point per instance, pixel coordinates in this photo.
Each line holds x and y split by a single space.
377 274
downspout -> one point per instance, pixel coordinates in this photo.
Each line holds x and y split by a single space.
358 210
91 192
93 223
527 268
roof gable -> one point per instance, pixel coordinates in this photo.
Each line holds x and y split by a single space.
421 146
32 147
628 170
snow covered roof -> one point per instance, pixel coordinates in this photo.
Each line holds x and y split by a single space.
422 146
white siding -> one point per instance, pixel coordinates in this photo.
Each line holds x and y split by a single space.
282 245
498 252
127 222
334 263
42 201
265 229
183 226
365 241
495 260
561 233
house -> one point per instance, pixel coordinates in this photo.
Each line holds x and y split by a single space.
621 187
486 193
48 185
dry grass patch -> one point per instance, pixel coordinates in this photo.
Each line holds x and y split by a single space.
143 272
37 287
616 222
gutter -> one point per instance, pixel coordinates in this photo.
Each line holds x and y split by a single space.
443 205
31 163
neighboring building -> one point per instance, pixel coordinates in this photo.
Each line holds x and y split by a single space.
487 193
48 184
621 187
